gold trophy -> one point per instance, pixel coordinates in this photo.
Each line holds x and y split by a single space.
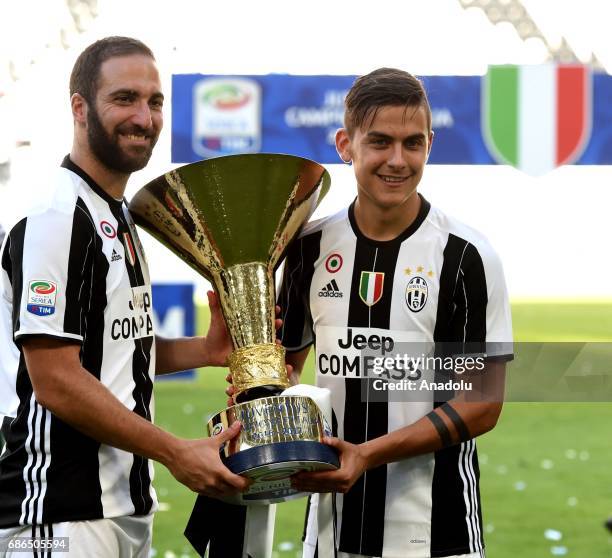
231 219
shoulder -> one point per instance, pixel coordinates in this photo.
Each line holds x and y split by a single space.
474 243
306 247
59 211
330 222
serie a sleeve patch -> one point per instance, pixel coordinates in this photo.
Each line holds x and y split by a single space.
42 294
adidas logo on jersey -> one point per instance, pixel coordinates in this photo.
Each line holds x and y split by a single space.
331 290
115 257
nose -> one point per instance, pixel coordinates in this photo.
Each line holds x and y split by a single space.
396 156
142 115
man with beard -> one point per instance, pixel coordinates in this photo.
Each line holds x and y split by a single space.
78 353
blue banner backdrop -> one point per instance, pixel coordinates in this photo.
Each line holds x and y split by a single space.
174 316
221 115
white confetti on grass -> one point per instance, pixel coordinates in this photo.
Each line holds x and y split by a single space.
164 506
162 491
571 453
572 501
286 546
553 535
558 550
502 470
547 464
584 455
489 528
483 459
520 485
169 554
188 408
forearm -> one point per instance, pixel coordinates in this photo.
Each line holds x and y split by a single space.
296 361
432 433
83 402
184 353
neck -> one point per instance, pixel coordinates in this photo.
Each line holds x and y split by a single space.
112 182
385 223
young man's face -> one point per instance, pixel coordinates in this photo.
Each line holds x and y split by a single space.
125 119
388 154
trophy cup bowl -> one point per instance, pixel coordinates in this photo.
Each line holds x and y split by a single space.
231 219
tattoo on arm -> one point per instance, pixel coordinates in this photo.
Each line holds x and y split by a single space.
442 429
460 426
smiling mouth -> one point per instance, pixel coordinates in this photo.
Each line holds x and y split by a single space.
134 137
392 179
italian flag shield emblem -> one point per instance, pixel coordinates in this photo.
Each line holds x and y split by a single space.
537 118
371 286
129 248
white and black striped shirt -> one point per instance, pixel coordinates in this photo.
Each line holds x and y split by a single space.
439 281
74 269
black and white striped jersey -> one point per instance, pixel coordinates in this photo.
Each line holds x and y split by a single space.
439 281
74 269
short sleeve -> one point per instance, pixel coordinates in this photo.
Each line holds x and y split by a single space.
296 332
485 296
51 259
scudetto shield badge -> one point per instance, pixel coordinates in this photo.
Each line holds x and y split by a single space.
371 286
537 118
416 293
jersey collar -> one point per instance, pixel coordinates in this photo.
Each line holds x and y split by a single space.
67 163
409 231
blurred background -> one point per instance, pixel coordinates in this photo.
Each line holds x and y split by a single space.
545 469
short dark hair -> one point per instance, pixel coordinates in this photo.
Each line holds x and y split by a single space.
86 70
381 88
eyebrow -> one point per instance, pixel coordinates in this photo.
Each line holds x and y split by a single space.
134 93
379 135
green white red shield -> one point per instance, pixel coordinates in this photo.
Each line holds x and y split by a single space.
537 118
371 286
129 249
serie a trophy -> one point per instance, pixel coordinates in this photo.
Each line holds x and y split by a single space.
231 219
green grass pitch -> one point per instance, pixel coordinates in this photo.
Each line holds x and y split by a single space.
545 468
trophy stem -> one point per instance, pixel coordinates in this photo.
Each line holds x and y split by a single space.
246 293
247 298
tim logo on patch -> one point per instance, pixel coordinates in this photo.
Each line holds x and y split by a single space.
41 297
226 116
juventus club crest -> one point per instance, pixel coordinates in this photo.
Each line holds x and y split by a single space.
371 287
416 293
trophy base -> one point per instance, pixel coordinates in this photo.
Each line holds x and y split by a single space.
270 467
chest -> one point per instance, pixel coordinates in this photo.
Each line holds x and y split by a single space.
391 286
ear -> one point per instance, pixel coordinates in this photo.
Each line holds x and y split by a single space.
79 108
431 138
343 145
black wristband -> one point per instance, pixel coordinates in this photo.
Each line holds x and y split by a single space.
442 429
460 426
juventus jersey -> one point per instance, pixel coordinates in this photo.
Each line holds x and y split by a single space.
74 269
439 281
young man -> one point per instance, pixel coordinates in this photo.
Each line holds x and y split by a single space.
392 267
78 349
